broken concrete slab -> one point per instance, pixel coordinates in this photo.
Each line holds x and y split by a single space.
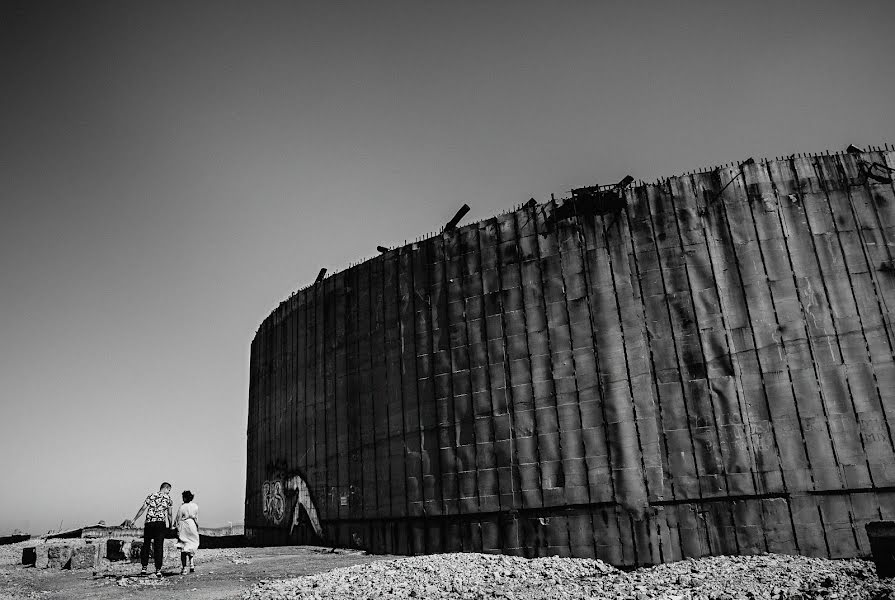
115 550
59 557
41 558
84 557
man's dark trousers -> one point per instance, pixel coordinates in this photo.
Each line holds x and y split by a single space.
153 531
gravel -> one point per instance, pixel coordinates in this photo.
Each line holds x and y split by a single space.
471 576
11 554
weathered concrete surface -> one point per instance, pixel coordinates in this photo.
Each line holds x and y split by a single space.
707 371
85 557
59 557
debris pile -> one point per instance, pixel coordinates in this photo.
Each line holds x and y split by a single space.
478 576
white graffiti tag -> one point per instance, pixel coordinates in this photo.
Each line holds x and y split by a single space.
297 485
273 501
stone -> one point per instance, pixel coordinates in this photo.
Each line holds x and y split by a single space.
42 557
84 557
59 557
136 547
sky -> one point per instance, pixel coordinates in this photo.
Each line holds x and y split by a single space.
169 172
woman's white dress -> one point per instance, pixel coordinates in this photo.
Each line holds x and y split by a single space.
187 527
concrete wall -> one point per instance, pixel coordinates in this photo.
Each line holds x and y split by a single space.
697 374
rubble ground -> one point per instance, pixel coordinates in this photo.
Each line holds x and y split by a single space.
314 573
221 574
470 576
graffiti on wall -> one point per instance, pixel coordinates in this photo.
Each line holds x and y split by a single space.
297 485
273 501
274 494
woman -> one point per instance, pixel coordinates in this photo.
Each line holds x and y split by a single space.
187 531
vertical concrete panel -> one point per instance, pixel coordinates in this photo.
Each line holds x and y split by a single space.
393 391
379 400
531 419
340 378
365 402
463 434
703 423
498 367
317 481
330 499
859 398
488 484
730 414
441 358
639 362
856 312
422 261
288 430
409 392
813 406
602 322
737 321
681 466
871 205
276 422
772 368
581 352
550 346
620 414
354 415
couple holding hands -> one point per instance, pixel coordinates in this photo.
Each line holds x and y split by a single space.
159 509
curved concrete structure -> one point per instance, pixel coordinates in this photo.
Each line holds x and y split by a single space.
703 365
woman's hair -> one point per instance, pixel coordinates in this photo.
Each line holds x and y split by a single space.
187 496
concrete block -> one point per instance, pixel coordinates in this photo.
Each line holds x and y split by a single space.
116 550
84 557
59 557
41 557
134 550
100 547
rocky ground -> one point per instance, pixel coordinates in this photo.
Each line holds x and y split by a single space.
306 573
480 576
223 574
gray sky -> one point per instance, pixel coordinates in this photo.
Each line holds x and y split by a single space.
169 172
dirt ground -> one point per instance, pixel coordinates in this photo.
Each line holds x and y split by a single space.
220 575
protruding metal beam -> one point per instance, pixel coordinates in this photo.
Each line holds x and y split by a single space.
628 180
456 219
748 161
852 149
382 249
320 275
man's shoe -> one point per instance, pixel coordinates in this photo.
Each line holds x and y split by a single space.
143 572
158 574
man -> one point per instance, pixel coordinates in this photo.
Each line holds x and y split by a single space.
159 514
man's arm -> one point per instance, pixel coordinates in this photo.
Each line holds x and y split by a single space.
139 512
171 514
